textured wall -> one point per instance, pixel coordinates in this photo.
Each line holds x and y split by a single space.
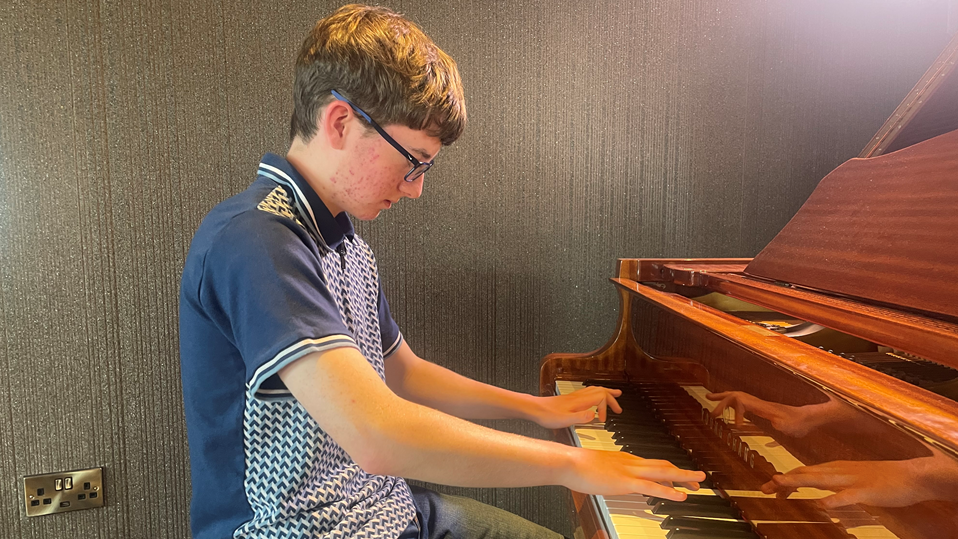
598 130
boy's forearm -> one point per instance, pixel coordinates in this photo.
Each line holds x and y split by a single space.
444 390
428 445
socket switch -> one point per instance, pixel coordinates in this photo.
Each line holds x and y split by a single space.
59 492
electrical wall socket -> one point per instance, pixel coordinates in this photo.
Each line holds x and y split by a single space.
63 491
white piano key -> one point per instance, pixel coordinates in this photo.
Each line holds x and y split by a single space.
871 532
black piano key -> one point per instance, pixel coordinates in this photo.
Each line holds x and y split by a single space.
661 452
649 422
648 437
737 481
702 499
709 534
670 454
684 509
703 484
639 434
657 437
675 522
667 451
644 432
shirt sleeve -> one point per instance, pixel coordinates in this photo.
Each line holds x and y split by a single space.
388 329
264 283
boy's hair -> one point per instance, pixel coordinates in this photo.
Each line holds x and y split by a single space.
384 64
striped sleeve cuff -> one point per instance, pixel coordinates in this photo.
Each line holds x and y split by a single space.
393 347
289 355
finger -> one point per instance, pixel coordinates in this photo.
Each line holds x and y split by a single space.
716 396
600 409
691 485
599 389
769 488
669 473
721 406
739 413
773 487
614 404
639 461
784 494
846 497
656 490
816 480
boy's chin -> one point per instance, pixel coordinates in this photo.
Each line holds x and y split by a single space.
367 216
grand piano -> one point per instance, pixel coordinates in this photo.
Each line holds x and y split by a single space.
816 383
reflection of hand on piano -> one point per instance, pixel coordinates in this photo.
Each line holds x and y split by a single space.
796 421
886 483
613 472
577 407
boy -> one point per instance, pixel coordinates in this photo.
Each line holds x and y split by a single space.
304 404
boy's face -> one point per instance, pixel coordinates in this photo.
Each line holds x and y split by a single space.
371 178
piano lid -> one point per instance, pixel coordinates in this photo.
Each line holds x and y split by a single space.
884 227
929 110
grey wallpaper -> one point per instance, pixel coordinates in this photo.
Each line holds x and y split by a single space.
598 130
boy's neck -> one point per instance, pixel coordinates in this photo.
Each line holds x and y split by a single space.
309 161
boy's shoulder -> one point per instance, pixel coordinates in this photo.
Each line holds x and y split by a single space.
263 209
263 201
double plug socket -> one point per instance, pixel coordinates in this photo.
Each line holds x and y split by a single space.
59 492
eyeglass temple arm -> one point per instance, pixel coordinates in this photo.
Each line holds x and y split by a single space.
378 129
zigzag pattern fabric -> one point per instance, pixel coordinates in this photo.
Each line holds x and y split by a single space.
300 483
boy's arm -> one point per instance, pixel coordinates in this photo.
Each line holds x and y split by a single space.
428 384
389 435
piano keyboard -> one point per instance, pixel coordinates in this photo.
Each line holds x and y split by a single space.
708 513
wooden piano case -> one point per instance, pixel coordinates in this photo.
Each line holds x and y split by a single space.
870 265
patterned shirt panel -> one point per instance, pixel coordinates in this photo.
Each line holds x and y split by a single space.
299 481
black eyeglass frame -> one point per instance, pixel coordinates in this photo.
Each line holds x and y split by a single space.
418 167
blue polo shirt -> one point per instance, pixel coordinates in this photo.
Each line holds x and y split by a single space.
271 276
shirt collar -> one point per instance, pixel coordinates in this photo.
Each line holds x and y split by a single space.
330 229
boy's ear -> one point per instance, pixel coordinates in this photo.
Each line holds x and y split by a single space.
334 123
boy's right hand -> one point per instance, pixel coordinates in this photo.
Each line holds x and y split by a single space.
616 472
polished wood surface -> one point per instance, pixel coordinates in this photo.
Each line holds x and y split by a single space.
881 229
664 335
931 415
930 338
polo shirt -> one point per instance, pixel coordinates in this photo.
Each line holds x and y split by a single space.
272 275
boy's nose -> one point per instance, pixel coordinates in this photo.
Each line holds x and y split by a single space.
412 189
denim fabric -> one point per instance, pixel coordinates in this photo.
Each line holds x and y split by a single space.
442 516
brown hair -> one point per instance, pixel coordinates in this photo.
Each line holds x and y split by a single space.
384 64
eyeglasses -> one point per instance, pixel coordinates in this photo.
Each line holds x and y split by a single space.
418 167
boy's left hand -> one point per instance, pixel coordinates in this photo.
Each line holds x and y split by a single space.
577 407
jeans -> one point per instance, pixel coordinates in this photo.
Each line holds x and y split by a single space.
442 516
